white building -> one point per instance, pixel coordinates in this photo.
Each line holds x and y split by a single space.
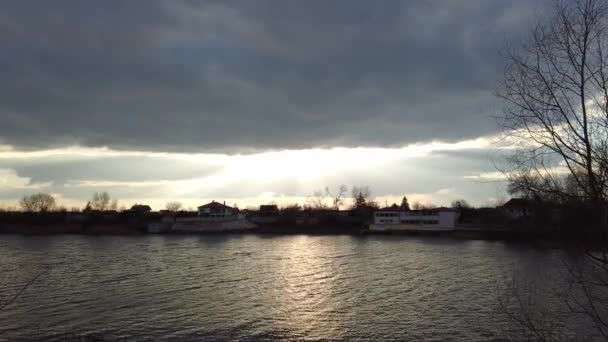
438 219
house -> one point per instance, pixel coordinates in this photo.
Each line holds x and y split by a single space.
268 213
517 208
216 210
437 219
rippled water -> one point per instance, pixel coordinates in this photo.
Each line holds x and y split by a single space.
255 287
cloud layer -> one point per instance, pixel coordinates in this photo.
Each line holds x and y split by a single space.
252 101
244 76
434 172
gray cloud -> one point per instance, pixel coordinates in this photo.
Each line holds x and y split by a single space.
122 169
443 175
242 75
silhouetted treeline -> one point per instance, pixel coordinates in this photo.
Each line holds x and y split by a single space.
571 220
93 222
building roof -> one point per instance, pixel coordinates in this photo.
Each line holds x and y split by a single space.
214 205
515 203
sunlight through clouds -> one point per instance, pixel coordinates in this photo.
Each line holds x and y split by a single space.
284 176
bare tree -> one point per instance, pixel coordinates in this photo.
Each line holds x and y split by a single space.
100 201
555 89
113 205
460 204
531 319
587 292
291 208
361 196
416 205
422 206
173 206
317 200
10 300
338 197
38 203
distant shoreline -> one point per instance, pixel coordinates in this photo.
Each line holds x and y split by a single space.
138 230
317 224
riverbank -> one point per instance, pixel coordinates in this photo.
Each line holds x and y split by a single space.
67 228
128 223
312 230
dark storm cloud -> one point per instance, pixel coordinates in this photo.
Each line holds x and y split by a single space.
240 75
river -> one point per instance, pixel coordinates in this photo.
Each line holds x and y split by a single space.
248 287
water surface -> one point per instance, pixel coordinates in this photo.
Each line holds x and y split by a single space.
249 287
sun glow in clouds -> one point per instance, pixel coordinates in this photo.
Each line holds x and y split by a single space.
289 175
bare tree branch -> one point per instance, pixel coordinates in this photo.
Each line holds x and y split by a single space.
23 288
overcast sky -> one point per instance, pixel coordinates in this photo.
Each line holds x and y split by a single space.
252 101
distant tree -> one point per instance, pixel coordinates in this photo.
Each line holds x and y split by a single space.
422 206
100 201
404 204
140 208
372 205
173 206
317 200
294 207
363 205
113 205
38 203
361 196
290 210
337 198
87 207
460 204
